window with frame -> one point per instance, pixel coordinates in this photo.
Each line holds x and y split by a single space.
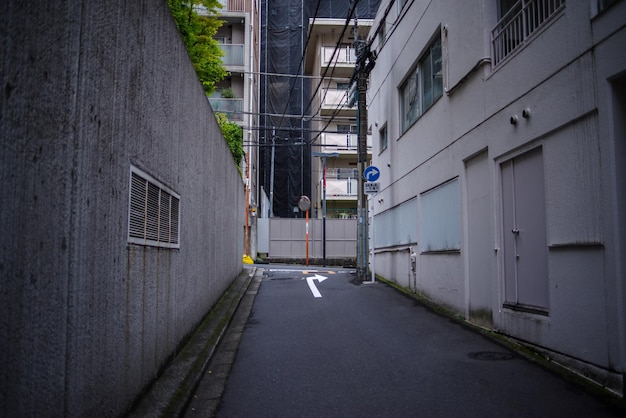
602 5
346 128
153 212
441 218
383 138
397 226
382 33
423 86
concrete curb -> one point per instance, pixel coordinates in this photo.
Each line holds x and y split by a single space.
169 395
208 395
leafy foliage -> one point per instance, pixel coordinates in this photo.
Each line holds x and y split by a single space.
233 135
197 32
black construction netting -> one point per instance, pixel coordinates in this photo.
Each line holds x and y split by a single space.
284 95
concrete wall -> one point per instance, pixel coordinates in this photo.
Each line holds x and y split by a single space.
89 89
286 238
570 75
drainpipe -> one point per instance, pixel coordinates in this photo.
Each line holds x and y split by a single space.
252 233
247 205
272 174
413 268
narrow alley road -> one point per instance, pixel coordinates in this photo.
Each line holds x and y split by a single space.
317 345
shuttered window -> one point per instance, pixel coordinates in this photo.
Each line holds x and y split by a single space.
397 226
441 218
154 212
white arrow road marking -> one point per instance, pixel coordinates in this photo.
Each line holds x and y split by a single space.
310 282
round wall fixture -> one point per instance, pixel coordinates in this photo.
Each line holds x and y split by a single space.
304 203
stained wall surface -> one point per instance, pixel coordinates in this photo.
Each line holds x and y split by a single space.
89 90
533 142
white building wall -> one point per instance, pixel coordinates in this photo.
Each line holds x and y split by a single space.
328 104
563 77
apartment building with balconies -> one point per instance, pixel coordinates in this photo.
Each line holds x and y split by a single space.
236 37
237 96
500 138
329 61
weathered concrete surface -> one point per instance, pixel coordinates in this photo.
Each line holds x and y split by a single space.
89 89
173 391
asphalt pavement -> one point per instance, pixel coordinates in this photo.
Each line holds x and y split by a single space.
315 344
295 341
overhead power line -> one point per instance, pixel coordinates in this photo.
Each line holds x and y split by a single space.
293 85
313 77
321 79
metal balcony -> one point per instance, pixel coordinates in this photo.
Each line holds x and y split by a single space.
232 108
344 143
342 189
522 20
233 54
232 5
344 55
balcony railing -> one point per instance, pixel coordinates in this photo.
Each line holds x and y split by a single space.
233 54
344 55
231 107
519 23
342 188
334 98
342 142
341 173
347 213
232 5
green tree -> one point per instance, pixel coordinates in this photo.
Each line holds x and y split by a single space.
233 135
197 32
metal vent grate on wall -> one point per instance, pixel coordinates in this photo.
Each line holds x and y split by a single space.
154 212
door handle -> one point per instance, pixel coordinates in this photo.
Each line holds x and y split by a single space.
515 231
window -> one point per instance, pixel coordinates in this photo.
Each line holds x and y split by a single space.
154 212
423 87
599 6
343 86
382 33
506 6
396 226
605 4
346 128
518 21
441 218
345 173
383 138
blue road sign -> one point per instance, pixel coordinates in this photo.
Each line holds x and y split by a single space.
371 173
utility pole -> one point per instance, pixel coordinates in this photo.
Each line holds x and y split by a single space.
365 63
324 156
361 165
272 173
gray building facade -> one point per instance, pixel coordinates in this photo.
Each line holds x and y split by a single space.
121 208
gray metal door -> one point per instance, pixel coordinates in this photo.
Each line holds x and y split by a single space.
524 229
